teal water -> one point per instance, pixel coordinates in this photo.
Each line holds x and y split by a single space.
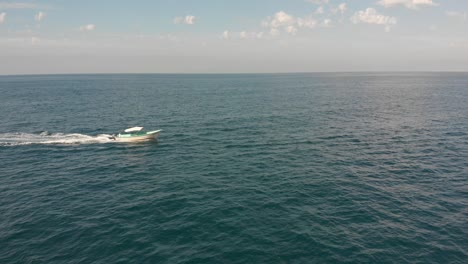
274 168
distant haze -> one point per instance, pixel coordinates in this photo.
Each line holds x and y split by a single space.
45 37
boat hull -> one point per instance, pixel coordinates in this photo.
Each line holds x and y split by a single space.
149 136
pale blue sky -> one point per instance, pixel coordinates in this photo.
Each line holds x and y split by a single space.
232 36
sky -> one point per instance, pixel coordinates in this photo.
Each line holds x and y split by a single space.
242 36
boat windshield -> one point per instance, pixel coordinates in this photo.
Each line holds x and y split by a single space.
133 129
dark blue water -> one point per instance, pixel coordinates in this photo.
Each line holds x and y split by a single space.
287 168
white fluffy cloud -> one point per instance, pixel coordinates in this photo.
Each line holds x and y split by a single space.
327 23
243 35
188 20
39 16
319 10
307 22
250 35
342 7
2 17
225 34
291 30
89 27
281 21
411 4
371 16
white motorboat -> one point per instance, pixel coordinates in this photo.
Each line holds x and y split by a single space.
136 134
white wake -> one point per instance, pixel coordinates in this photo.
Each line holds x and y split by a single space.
14 139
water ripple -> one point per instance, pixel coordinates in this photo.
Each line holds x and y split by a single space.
295 168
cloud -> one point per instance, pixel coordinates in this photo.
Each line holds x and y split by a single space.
342 7
274 32
291 30
89 27
370 16
243 35
319 10
35 40
455 14
411 4
188 20
250 35
8 5
326 22
39 16
2 17
281 21
307 22
225 35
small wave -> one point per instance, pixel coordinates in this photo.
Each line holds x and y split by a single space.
15 139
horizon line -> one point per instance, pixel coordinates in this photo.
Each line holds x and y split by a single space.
229 73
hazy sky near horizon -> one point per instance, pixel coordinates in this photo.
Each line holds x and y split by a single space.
182 36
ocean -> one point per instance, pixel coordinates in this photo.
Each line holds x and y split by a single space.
249 168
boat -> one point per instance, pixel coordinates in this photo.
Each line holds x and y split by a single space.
136 134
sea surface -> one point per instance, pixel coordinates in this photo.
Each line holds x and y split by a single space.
268 168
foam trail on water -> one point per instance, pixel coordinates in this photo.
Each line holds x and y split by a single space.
14 139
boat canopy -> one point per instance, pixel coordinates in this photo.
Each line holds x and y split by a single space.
133 129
